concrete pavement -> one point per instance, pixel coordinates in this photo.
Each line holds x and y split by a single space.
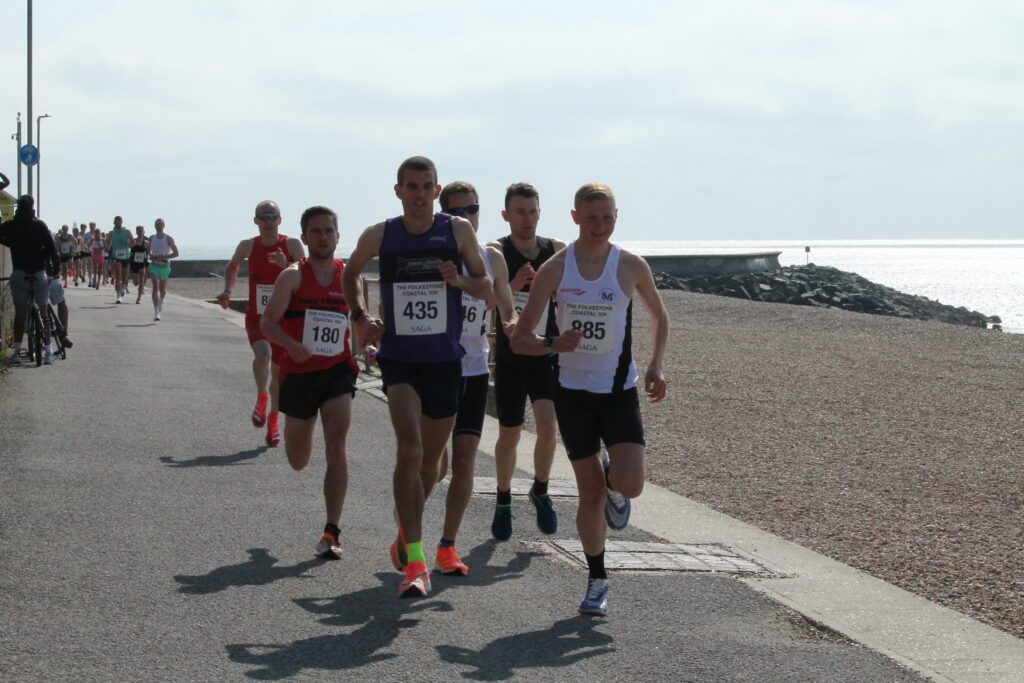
146 533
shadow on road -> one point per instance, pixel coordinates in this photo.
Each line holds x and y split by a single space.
215 460
564 644
380 617
259 570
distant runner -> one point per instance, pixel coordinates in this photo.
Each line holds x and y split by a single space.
119 244
307 315
161 250
65 243
139 265
421 288
594 282
268 254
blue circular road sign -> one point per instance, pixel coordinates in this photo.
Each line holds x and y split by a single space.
29 155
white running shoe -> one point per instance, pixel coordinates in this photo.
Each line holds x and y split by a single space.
48 358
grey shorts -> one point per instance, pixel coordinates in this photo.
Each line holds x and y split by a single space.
56 291
22 287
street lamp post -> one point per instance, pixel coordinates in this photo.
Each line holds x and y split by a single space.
17 151
39 163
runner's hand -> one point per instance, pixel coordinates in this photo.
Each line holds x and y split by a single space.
278 259
524 276
567 341
223 299
300 353
449 272
655 385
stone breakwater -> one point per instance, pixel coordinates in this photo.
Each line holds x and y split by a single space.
826 287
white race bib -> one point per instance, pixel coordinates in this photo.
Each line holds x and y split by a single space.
519 299
139 256
263 293
474 316
121 253
65 248
595 321
323 332
420 308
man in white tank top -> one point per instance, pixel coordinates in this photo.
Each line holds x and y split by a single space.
461 199
594 282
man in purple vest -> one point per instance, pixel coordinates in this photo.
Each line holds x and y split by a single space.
421 284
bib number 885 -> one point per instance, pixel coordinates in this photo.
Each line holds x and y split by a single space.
420 310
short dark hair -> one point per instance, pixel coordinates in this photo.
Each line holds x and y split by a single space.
315 211
455 188
416 164
521 190
25 202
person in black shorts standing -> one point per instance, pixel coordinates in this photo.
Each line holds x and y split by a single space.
139 265
518 377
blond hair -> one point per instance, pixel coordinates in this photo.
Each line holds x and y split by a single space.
591 192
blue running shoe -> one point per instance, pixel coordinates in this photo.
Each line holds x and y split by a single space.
501 526
616 507
547 518
596 600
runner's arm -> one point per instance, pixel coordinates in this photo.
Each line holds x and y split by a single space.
476 283
231 271
174 249
369 328
502 294
654 380
294 250
523 340
287 282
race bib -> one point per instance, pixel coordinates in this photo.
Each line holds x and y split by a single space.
519 299
420 308
121 253
263 293
65 248
139 256
474 316
595 322
323 332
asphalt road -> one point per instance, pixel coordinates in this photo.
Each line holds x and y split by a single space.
147 534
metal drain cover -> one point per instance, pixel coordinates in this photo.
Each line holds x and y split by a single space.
521 487
679 557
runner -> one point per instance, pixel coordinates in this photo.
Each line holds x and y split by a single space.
65 244
517 377
32 252
139 265
594 282
81 255
119 244
268 255
97 245
318 372
161 250
421 291
461 199
56 290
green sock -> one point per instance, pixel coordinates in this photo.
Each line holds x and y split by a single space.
414 551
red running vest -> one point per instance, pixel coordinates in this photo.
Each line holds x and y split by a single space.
317 316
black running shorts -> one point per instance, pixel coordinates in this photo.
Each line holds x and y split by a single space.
302 393
517 380
586 419
472 405
437 384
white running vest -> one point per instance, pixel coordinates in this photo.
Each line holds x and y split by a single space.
603 362
474 327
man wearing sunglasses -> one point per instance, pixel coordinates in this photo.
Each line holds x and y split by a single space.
268 254
421 288
461 199
518 377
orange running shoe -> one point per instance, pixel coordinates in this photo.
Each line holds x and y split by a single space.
447 562
273 435
328 548
417 581
259 413
398 557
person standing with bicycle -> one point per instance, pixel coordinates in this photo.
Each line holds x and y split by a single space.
32 250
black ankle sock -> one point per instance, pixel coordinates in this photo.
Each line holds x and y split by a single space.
504 497
595 563
332 529
540 488
446 543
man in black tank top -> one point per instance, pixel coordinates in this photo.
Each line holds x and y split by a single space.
517 377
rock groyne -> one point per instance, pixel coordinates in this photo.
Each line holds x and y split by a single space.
827 287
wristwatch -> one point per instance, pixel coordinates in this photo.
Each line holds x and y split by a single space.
548 341
357 314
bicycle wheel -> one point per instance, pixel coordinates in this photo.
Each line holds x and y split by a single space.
57 334
35 336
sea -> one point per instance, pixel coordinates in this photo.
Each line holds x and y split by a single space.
982 275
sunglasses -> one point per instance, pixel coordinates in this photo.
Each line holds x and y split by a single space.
471 209
268 216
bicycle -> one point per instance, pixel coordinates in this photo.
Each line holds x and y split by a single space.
34 328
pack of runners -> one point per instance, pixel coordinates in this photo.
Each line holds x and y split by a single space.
563 341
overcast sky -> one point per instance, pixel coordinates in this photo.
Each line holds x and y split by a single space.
711 120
